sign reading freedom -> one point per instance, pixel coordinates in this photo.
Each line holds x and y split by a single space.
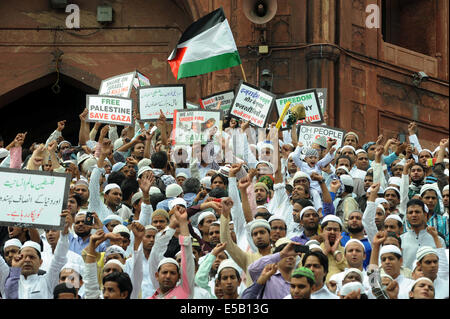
307 133
33 198
108 109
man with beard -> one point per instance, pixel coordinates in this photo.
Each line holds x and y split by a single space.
24 282
80 239
392 195
284 256
362 200
446 199
416 173
356 231
82 189
277 229
260 232
214 234
261 193
309 219
331 245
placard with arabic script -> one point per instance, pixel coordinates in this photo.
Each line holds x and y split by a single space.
32 198
168 98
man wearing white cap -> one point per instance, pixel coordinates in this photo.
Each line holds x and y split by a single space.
347 203
80 239
393 223
169 272
392 195
309 219
391 262
229 278
277 228
172 191
11 249
374 214
82 189
24 281
331 232
112 192
260 232
446 200
434 265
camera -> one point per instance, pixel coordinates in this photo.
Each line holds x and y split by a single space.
301 249
89 220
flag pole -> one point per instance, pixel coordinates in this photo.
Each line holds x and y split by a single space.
243 73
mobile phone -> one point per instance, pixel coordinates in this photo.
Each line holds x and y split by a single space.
301 249
89 220
378 290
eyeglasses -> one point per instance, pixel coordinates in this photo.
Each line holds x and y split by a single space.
278 228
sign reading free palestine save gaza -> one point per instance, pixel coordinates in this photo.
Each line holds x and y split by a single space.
109 109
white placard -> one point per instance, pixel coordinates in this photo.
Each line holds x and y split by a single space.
32 198
168 98
225 98
109 109
119 85
307 133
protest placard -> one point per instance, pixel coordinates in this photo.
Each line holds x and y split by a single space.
192 106
31 198
252 104
140 80
197 126
168 98
119 85
322 95
310 101
307 133
210 102
109 109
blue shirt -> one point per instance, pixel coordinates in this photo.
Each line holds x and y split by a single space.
368 248
76 244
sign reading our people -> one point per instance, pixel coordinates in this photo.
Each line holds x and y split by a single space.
252 104
30 198
168 98
199 125
118 85
225 98
310 101
307 133
109 109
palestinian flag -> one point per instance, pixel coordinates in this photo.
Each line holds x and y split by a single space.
207 45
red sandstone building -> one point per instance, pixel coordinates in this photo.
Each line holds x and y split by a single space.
310 44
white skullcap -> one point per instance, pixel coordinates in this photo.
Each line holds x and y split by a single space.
262 145
395 189
144 162
446 188
154 190
312 242
390 249
228 263
382 208
151 227
352 133
80 213
332 218
3 152
168 261
206 182
121 229
395 180
353 240
177 201
216 222
115 249
381 200
394 216
306 209
344 168
181 174
346 179
425 250
13 242
282 241
259 223
112 217
115 261
75 267
61 143
315 246
426 150
273 217
427 187
32 244
173 190
420 279
348 146
118 143
267 163
349 270
300 174
360 151
136 196
142 170
387 276
351 286
110 186
203 215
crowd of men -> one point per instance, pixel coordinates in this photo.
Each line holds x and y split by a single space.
253 215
